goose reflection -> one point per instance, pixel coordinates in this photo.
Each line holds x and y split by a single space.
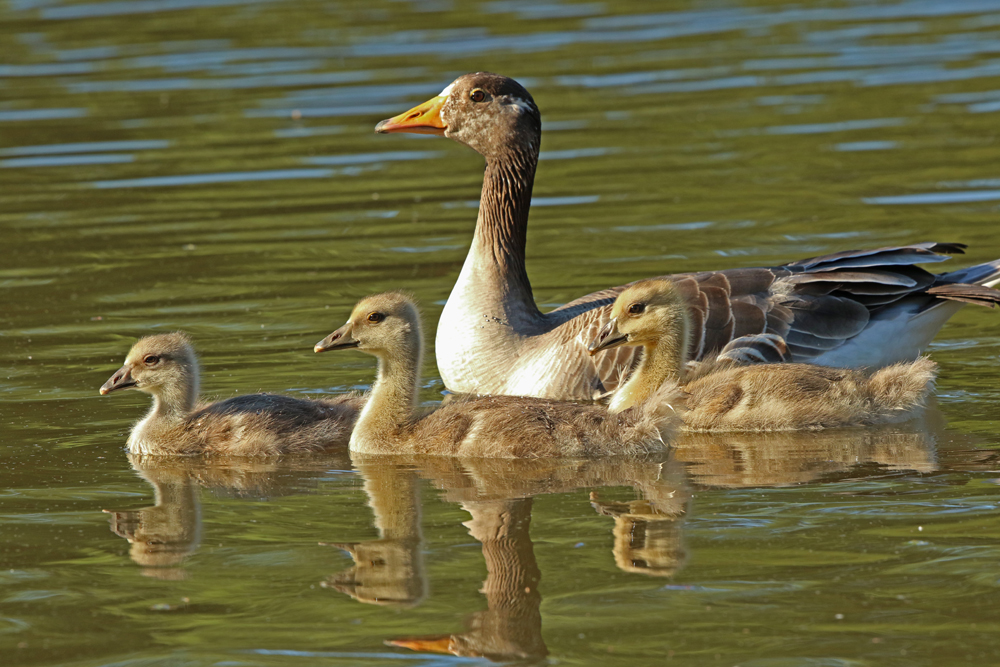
390 570
498 495
648 537
736 460
510 628
161 537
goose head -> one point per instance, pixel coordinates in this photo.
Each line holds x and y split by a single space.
157 364
492 114
645 313
385 325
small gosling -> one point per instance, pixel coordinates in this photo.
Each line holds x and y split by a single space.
762 397
388 327
166 367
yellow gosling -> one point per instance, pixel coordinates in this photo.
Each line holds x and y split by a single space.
762 397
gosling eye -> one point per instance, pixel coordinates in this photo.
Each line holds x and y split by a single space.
151 360
477 95
636 308
375 317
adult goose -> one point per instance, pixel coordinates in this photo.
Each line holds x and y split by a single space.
854 308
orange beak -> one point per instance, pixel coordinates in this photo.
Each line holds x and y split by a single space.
442 644
421 119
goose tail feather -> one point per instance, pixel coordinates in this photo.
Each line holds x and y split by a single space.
981 274
975 285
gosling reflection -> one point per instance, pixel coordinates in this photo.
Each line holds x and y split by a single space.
657 478
390 570
498 494
781 459
510 628
648 537
163 536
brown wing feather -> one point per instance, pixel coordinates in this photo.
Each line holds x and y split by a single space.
748 319
688 287
697 344
719 311
717 279
743 282
977 294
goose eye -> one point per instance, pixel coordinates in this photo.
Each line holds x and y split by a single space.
477 95
151 360
636 308
375 318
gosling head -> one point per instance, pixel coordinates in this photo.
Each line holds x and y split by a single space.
155 364
384 324
645 313
490 113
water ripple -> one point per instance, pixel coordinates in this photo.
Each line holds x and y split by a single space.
67 160
968 196
125 7
221 177
855 146
85 147
838 126
373 158
41 114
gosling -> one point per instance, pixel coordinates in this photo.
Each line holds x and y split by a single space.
166 367
388 327
762 397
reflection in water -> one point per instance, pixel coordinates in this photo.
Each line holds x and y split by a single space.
498 494
164 535
780 459
390 570
657 477
648 537
510 628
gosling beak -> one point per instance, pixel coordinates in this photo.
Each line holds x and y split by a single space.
122 379
422 119
441 644
340 339
608 338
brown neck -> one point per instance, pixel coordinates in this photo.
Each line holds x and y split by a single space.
501 230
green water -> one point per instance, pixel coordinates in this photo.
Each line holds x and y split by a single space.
210 165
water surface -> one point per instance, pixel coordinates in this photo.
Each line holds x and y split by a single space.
210 165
